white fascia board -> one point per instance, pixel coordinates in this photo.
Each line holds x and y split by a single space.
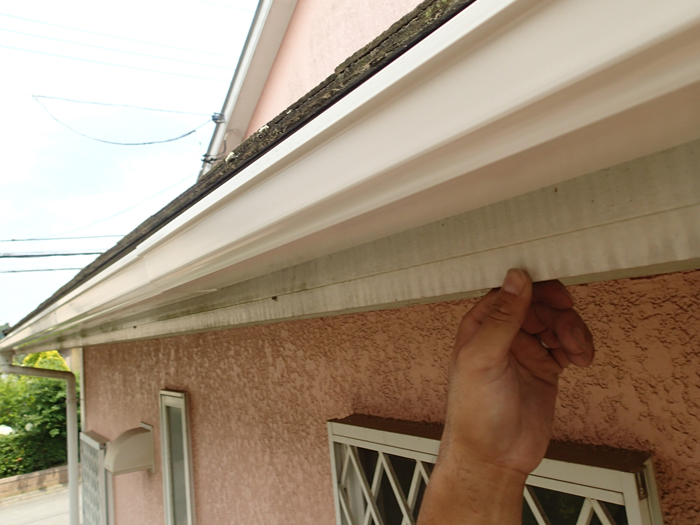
507 97
635 219
264 39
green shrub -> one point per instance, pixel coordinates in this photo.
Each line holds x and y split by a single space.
36 410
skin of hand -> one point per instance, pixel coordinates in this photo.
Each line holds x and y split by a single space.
503 388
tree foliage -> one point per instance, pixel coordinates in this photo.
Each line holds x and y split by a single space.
35 408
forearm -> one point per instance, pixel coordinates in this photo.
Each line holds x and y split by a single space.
472 493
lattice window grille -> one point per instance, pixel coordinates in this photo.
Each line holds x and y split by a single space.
359 498
602 496
95 479
591 508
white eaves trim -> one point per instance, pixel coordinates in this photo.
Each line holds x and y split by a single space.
635 219
264 39
508 97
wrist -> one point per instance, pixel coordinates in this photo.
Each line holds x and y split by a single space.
472 492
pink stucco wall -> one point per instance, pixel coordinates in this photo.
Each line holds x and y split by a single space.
320 36
260 397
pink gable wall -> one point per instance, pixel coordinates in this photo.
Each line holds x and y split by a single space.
260 397
321 35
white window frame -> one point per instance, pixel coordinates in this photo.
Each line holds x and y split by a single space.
169 398
637 491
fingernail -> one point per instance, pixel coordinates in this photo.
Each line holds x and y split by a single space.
580 338
514 283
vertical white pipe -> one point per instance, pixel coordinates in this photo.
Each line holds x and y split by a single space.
78 356
72 438
7 367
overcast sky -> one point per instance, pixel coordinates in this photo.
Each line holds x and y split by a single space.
175 55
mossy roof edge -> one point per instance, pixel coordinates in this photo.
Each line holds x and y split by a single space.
428 16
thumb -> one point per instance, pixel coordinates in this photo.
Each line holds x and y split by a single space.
505 316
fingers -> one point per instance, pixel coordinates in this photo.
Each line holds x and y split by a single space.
471 322
560 356
558 326
537 359
533 324
548 338
507 309
566 331
552 293
549 316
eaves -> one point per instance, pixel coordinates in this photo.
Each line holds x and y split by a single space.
483 110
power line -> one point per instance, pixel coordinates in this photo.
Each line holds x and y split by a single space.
116 36
41 270
130 207
114 65
118 105
120 143
114 50
60 238
32 255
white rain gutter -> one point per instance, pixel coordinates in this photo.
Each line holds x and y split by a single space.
264 39
6 367
507 97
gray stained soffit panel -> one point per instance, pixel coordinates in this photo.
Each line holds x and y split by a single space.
399 38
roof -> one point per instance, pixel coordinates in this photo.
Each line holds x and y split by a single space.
400 37
483 147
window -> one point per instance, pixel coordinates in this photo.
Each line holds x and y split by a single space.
96 480
177 459
381 468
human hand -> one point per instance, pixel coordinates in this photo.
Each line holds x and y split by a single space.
503 388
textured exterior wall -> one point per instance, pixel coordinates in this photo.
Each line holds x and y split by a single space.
320 36
643 392
260 397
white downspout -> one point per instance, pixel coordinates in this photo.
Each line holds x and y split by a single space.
6 367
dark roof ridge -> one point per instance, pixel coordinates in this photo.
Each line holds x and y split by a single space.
428 16
425 13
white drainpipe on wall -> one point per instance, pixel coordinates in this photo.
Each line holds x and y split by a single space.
6 367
